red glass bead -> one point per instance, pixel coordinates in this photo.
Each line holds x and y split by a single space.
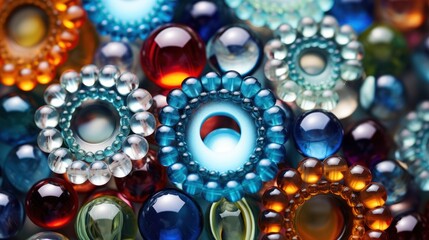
51 203
366 143
172 53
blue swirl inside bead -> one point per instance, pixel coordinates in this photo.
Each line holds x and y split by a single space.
394 178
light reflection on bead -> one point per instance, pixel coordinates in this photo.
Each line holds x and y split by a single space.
334 168
46 116
358 177
378 218
78 172
99 173
374 195
59 160
135 146
120 165
311 170
49 139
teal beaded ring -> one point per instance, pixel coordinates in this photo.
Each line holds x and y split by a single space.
221 161
413 144
307 63
93 113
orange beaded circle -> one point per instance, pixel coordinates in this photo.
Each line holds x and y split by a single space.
325 200
35 36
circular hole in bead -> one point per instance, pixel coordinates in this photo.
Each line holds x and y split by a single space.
313 61
323 217
220 133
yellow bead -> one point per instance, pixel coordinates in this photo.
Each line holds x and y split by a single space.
334 168
311 170
27 26
270 221
8 74
44 72
378 218
374 195
26 79
289 181
357 177
57 55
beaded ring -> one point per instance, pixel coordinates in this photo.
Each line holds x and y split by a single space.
34 39
273 12
95 110
129 19
307 63
223 162
324 200
412 139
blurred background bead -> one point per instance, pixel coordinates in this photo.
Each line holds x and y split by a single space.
409 226
115 53
358 13
402 14
234 48
420 59
48 235
159 216
12 215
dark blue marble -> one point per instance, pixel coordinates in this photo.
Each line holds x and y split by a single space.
356 13
12 215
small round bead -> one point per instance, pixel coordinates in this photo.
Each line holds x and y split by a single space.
375 235
335 168
49 139
108 76
77 173
211 81
358 177
233 191
192 87
135 146
168 155
89 75
120 165
274 116
126 83
311 170
264 99
278 71
177 99
59 160
70 81
270 221
250 86
289 180
139 100
46 116
231 81
177 173
275 199
251 183
54 95
374 195
378 218
275 49
169 116
165 136
143 123
212 192
99 173
193 184
286 33
266 169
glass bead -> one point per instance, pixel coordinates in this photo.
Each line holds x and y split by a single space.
211 82
378 218
274 116
70 81
385 48
51 203
328 27
168 155
143 123
99 173
120 165
311 170
402 14
408 226
22 160
193 184
334 168
159 55
270 221
358 177
49 139
59 160
374 195
135 146
366 143
250 87
274 236
46 116
358 14
48 235
89 75
106 217
126 83
286 33
274 198
177 173
266 169
234 48
264 99
192 87
145 179
55 95
165 136
394 178
169 116
375 235
115 53
158 217
275 49
108 75
212 192
12 215
78 172
318 134
289 180
178 99
139 100
231 81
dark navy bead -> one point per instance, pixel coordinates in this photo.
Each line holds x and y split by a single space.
357 13
12 215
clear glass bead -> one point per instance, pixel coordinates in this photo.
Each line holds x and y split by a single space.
288 91
120 165
143 123
328 27
89 75
135 146
77 173
276 70
49 139
286 33
351 70
126 83
70 81
55 95
99 173
308 27
108 76
139 100
275 49
352 51
345 35
46 116
59 160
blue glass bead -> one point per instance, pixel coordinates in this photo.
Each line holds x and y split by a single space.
384 96
16 118
265 99
211 81
266 170
318 134
234 48
192 87
212 192
420 59
177 173
21 161
168 155
252 183
274 116
165 136
231 81
275 152
394 178
193 184
277 134
170 214
250 87
177 99
115 53
12 215
169 116
233 191
358 13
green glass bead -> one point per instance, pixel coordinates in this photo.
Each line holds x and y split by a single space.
106 218
385 50
232 221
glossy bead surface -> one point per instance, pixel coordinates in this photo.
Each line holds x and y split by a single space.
12 215
311 170
402 14
366 143
394 178
170 214
358 14
318 134
116 53
378 218
48 235
274 198
270 221
408 226
289 180
51 203
234 48
106 217
358 177
168 61
373 195
335 168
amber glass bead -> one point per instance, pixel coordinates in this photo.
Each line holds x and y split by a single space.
270 221
311 170
378 218
334 168
402 14
375 235
289 181
357 177
374 195
274 198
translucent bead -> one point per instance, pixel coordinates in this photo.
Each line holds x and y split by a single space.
108 76
231 81
374 195
168 155
234 191
266 169
311 170
99 173
286 33
193 184
211 81
274 116
48 235
70 81
275 199
276 70
46 116
169 116
178 99
49 139
165 136
126 83
59 160
378 218
78 172
120 165
177 173
394 178
139 100
358 177
288 91
334 168
345 35
264 99
192 87
308 27
89 75
12 215
54 95
275 49
212 192
351 70
275 152
270 221
328 27
143 123
115 53
135 146
250 87
289 180
352 51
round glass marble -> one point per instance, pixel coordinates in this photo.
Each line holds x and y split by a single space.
12 215
48 236
115 53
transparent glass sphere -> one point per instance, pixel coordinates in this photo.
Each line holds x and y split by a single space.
143 123
55 95
108 76
135 146
120 165
116 53
126 83
77 173
99 173
49 139
89 75
139 100
59 160
46 116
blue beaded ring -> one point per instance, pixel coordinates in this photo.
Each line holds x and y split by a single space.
413 142
129 19
307 63
273 12
93 112
223 163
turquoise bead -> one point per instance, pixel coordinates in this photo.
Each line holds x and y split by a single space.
277 134
165 136
168 155
250 87
265 99
193 184
252 183
231 81
211 81
275 152
169 116
177 173
212 192
192 87
177 99
274 116
267 170
233 191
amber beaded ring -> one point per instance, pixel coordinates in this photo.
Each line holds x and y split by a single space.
34 39
325 200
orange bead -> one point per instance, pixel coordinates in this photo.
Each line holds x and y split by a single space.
289 180
26 79
68 39
311 170
74 17
44 72
57 55
334 168
375 235
62 5
357 177
378 218
8 74
275 199
270 221
402 14
374 195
